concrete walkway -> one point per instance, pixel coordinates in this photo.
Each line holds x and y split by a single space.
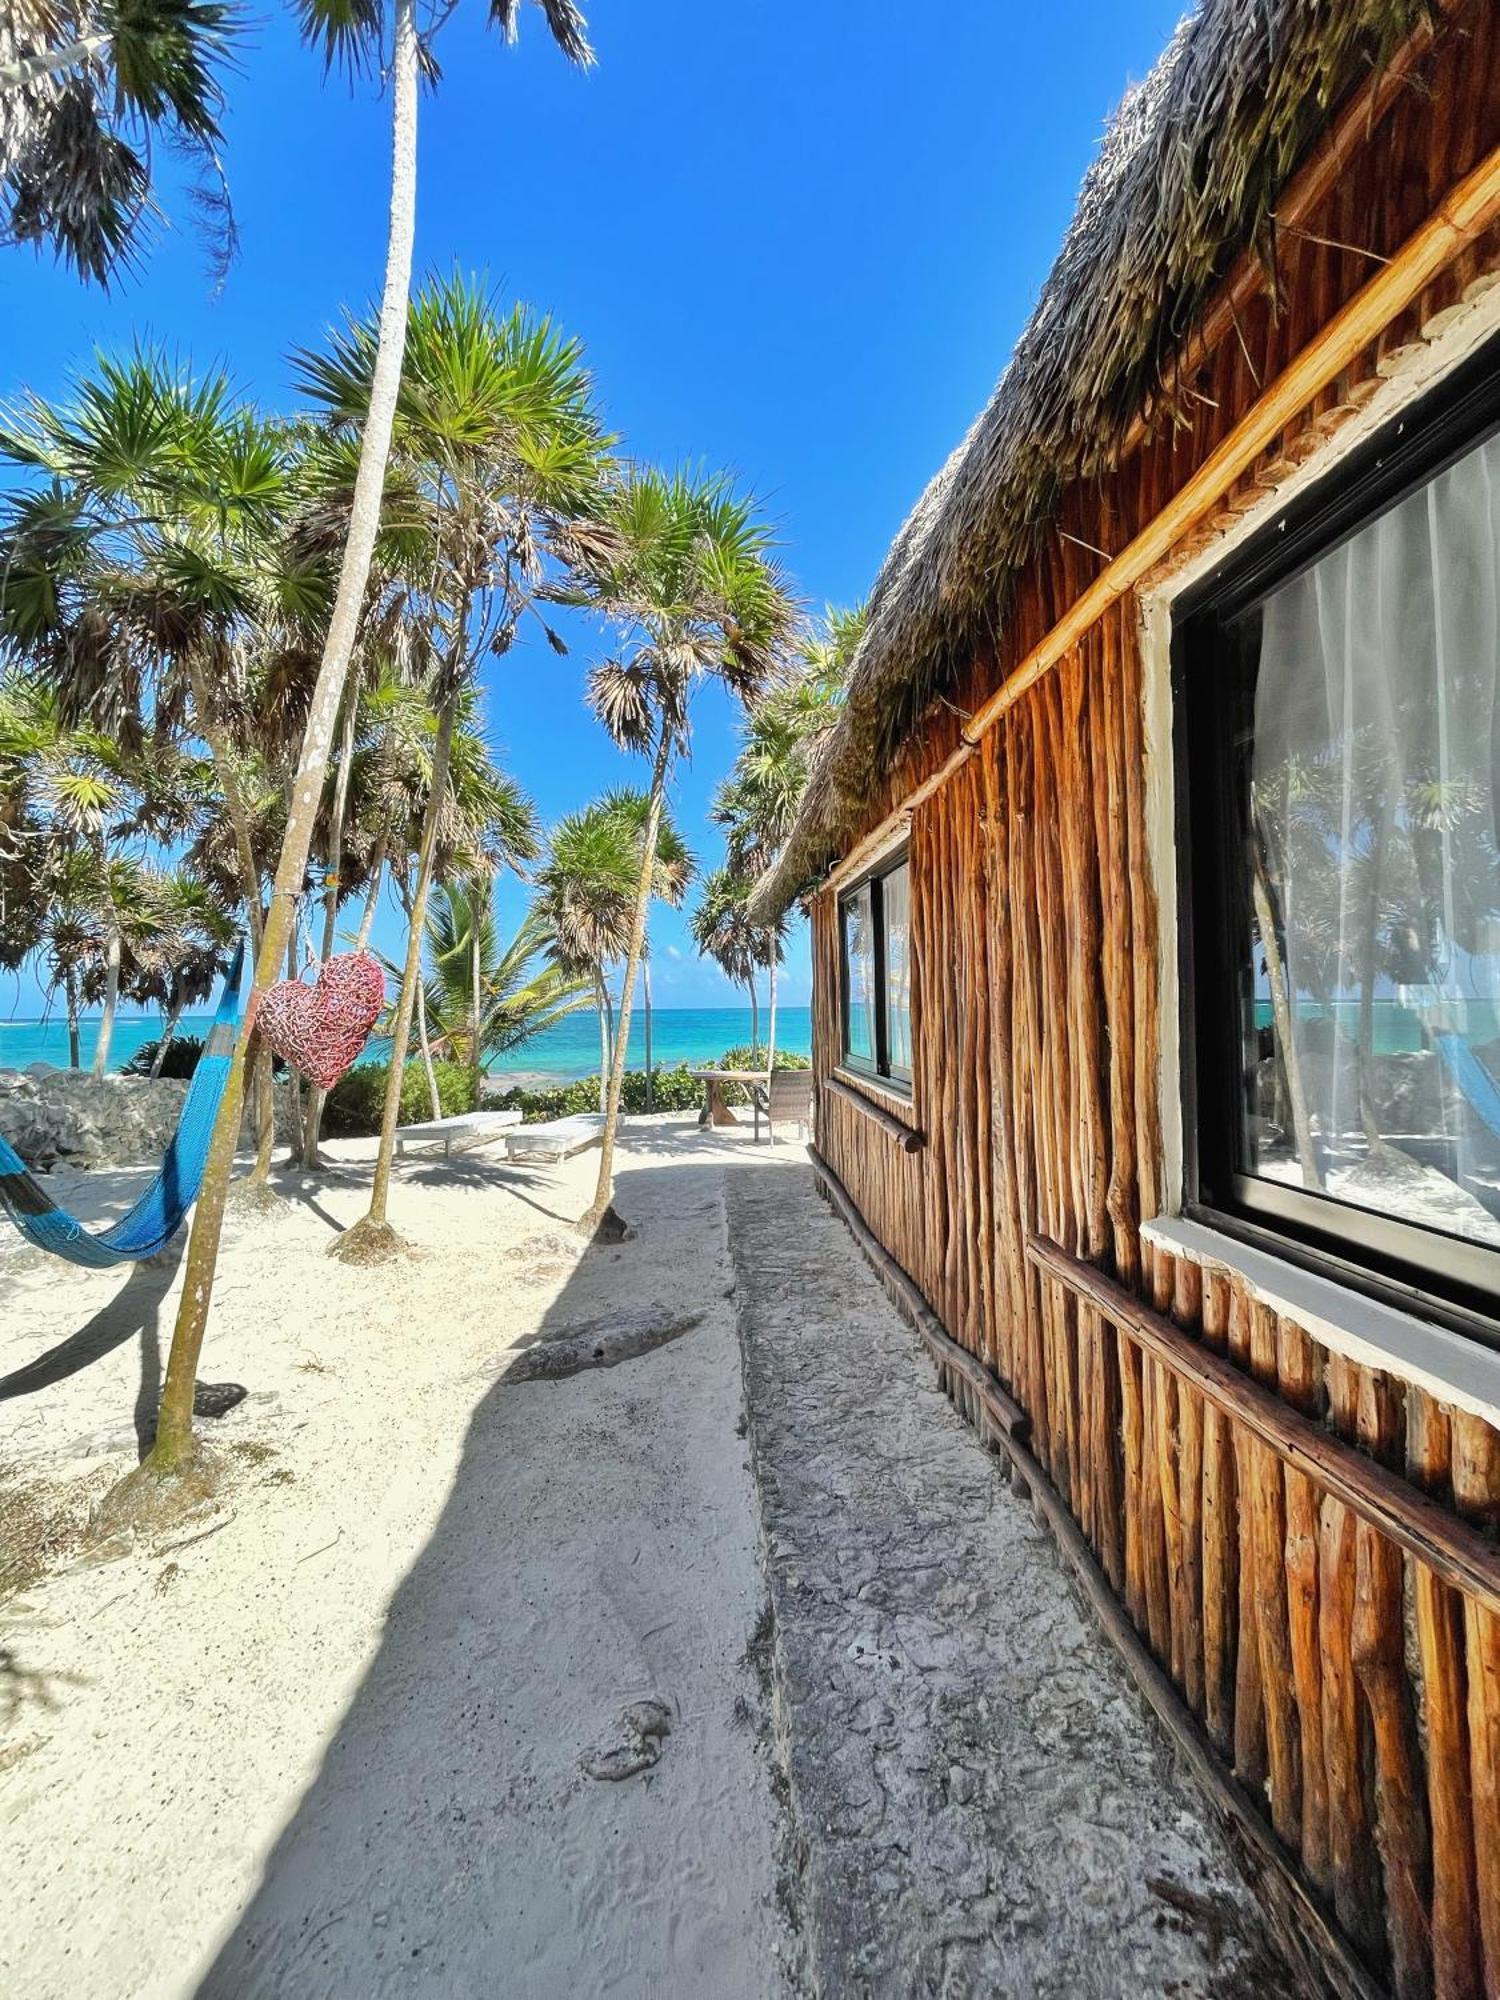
978 1801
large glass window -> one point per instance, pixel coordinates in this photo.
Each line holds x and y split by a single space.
1343 763
875 924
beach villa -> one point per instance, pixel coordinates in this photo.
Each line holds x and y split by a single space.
1155 888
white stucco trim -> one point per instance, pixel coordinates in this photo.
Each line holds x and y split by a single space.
1458 1371
1408 373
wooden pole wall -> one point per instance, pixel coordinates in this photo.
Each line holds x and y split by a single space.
1354 1693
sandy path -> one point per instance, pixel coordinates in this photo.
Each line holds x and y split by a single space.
983 1803
333 1748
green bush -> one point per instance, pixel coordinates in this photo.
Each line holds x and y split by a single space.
746 1057
674 1090
357 1100
181 1059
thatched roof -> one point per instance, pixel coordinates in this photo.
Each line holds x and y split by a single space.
1188 172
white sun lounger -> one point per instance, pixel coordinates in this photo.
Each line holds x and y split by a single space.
558 1139
469 1128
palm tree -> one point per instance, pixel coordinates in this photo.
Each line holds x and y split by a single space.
584 894
724 931
674 871
522 989
499 452
90 90
689 576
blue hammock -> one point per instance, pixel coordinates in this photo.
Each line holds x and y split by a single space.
155 1219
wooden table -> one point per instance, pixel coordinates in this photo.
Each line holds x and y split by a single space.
716 1109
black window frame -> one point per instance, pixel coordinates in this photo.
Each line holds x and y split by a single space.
1442 1277
890 1076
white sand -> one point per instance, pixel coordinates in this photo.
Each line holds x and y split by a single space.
332 1747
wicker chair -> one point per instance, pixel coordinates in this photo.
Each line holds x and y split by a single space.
785 1100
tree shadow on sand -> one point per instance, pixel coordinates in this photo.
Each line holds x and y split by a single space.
595 1555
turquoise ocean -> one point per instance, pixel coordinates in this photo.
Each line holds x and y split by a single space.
692 1035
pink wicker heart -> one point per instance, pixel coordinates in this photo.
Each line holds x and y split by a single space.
320 1029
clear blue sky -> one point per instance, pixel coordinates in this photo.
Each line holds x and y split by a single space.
796 241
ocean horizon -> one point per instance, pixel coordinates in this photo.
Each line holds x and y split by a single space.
697 1036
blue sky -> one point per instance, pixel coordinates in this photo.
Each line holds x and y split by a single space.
796 241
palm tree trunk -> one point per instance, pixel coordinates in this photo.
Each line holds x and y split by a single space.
294 1082
263 1082
52 62
168 1030
771 1022
372 900
70 989
754 1018
646 1003
316 1098
411 971
601 1000
426 1046
424 1040
111 993
174 1429
476 1061
1284 1025
600 1207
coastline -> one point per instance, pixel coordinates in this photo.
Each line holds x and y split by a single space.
695 1036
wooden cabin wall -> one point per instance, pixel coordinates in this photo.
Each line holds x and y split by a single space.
1354 1692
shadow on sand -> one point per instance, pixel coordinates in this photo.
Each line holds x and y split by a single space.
596 1550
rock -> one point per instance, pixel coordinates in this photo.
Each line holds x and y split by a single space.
66 1118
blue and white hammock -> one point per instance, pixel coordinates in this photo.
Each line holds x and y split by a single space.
152 1222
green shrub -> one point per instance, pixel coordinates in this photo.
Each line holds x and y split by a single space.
746 1057
357 1100
181 1059
673 1090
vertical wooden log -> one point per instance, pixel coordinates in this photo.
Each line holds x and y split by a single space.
1130 1431
1376 1644
1220 1568
1299 1373
1476 1490
1249 1699
1351 1846
1456 1970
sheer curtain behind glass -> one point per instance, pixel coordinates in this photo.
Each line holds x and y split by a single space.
1375 895
859 970
895 904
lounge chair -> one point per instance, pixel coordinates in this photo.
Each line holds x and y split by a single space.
557 1139
785 1100
468 1128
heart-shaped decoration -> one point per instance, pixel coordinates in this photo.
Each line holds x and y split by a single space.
320 1029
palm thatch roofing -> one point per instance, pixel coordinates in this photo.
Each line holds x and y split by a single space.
1187 176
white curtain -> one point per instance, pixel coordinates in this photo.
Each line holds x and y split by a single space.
1374 781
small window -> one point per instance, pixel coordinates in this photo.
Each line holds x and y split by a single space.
875 925
1339 696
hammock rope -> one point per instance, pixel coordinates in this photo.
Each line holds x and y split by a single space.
155 1218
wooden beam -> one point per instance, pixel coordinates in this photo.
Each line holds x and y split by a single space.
1466 212
1003 1411
907 1137
1449 1546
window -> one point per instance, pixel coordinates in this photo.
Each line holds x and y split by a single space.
1339 757
875 926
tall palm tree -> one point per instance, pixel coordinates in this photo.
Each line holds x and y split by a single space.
674 871
724 931
585 892
500 452
690 578
758 802
90 91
